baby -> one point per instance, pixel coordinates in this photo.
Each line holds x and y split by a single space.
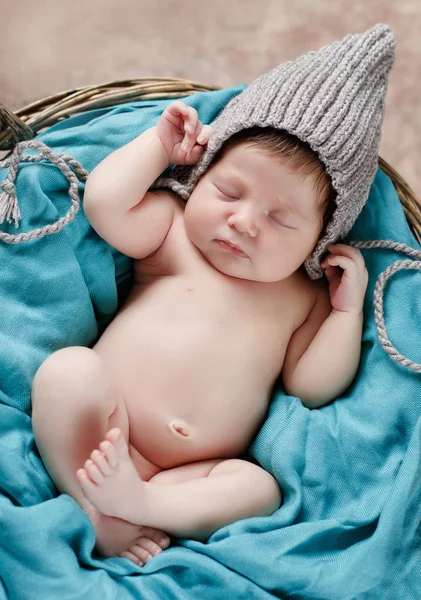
146 430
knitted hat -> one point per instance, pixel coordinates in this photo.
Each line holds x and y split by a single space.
333 99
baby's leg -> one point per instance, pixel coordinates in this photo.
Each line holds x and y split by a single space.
74 403
195 505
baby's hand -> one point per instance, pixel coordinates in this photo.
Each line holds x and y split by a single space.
182 134
348 278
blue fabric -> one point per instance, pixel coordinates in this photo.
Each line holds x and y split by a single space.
349 526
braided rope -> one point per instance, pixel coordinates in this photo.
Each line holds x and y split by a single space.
9 208
398 265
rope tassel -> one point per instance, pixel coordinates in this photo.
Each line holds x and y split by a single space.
9 207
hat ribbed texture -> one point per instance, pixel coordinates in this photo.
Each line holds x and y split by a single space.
333 99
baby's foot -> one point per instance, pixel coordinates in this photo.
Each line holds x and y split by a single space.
150 543
111 482
115 537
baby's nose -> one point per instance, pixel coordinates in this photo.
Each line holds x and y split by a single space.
244 222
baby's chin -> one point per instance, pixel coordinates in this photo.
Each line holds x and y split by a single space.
225 265
241 268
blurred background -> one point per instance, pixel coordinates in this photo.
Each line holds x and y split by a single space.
50 46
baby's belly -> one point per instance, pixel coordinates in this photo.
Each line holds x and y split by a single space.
193 391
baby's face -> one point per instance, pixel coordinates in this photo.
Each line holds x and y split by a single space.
268 211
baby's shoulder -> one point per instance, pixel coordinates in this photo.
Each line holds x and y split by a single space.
307 293
302 283
179 203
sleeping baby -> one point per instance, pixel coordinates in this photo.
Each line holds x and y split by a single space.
243 282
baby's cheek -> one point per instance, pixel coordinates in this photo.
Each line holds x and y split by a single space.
284 261
195 223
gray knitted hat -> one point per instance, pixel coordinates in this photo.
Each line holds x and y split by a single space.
333 99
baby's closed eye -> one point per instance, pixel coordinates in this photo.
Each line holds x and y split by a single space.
232 194
282 220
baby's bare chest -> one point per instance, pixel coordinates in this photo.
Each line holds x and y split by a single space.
178 324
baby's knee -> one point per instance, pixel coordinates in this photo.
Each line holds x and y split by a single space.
268 495
263 491
71 369
271 493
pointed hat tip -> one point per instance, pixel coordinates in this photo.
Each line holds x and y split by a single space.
382 30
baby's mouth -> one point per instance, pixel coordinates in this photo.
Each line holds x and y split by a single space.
231 248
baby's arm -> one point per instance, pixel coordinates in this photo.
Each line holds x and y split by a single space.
323 355
117 201
322 360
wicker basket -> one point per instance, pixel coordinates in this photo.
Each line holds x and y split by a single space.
30 120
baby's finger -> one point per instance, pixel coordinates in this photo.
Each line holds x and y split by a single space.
198 129
175 114
333 273
349 251
177 108
190 122
195 154
199 139
205 135
345 263
189 127
190 138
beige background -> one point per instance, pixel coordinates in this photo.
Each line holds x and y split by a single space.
47 46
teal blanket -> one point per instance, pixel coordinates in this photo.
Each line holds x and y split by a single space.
349 526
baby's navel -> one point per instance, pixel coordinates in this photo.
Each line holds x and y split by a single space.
180 428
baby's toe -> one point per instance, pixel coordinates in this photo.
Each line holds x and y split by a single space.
130 556
152 547
115 436
85 481
163 540
141 550
101 462
93 472
156 535
110 453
